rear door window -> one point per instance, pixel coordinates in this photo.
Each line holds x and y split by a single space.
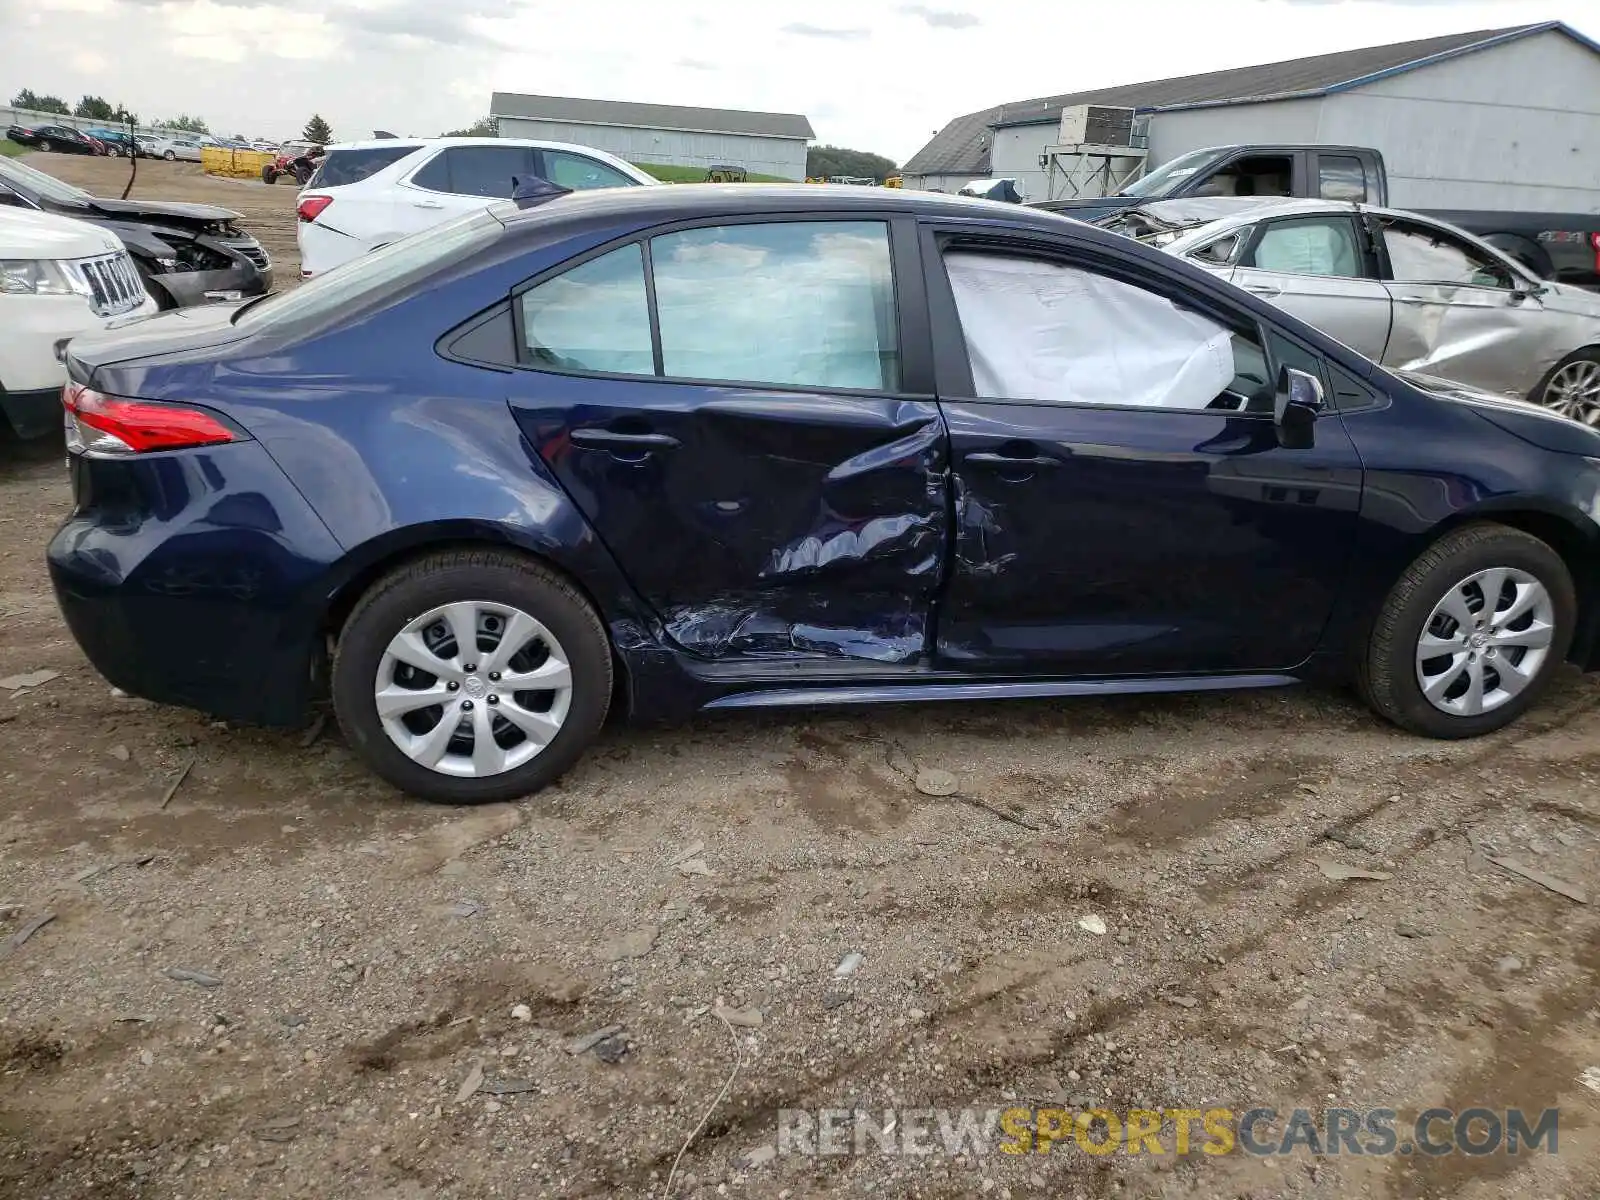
1342 177
342 167
795 303
475 170
1307 246
580 172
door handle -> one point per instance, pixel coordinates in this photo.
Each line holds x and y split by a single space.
611 439
1410 300
984 458
426 204
1262 289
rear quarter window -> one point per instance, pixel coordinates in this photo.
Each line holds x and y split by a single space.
342 167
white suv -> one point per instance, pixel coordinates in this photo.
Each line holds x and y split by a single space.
368 194
58 278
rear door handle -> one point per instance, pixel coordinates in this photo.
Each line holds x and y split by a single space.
1262 289
611 439
984 458
426 204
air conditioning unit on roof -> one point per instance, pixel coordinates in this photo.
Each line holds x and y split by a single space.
1096 125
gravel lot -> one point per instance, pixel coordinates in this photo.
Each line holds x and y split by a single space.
374 955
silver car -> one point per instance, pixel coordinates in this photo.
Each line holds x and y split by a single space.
1411 293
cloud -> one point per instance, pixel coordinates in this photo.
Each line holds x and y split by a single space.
941 18
801 29
409 20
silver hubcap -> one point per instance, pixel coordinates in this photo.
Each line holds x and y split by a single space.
473 689
1574 391
1485 641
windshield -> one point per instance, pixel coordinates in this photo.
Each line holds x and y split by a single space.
1169 175
380 272
23 176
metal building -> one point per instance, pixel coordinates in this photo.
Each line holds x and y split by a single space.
666 134
1500 118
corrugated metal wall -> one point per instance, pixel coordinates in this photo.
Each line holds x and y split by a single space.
783 157
1516 127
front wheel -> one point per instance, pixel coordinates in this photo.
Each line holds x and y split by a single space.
170 156
1572 388
472 676
1471 633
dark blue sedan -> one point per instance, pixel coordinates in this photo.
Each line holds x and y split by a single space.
660 450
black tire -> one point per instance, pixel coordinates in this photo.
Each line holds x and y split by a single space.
1387 670
169 155
496 576
1538 395
268 175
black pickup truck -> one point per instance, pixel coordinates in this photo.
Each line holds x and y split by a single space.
1559 246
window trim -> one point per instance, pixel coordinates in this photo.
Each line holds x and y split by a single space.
1386 262
1363 253
897 227
955 365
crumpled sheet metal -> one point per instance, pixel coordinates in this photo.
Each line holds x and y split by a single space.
1493 345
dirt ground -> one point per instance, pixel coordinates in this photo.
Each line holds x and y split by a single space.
283 982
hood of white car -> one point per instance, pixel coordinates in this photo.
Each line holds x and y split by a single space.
25 233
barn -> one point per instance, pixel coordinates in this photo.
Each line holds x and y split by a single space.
762 143
1499 118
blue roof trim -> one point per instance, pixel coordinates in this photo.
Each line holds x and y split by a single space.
1390 72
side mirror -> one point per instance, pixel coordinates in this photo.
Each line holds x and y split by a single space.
1298 403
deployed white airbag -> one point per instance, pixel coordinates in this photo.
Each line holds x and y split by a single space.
1043 331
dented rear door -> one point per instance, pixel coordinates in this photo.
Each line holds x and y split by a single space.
753 451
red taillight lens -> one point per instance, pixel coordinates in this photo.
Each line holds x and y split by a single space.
102 424
1594 242
312 207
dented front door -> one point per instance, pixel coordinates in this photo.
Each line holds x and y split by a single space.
791 519
1461 313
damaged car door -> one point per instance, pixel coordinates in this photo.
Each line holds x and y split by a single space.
1323 270
1460 313
1126 503
727 405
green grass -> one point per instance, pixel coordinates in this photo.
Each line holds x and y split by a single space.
10 149
669 174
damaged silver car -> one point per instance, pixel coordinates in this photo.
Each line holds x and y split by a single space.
1411 293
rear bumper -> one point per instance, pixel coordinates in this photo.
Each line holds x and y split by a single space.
192 578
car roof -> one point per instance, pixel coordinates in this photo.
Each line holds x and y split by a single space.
689 200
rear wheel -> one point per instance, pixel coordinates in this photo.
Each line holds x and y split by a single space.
1572 388
268 175
1471 634
472 676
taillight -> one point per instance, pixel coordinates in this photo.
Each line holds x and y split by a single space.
1594 243
312 207
113 425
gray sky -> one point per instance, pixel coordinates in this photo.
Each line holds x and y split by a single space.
877 75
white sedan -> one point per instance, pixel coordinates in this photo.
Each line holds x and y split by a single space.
368 194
